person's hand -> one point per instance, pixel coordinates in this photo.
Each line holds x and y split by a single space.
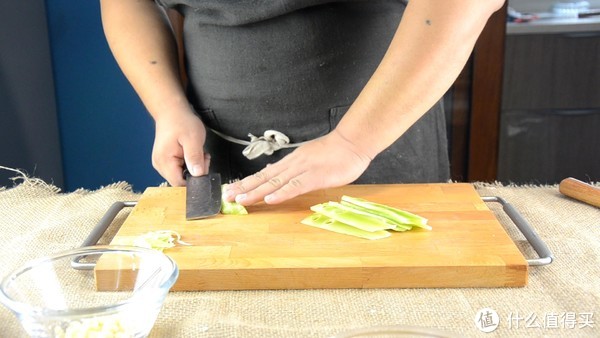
329 161
179 141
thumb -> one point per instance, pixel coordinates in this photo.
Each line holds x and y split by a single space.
195 160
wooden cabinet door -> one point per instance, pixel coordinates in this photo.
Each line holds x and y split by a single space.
476 103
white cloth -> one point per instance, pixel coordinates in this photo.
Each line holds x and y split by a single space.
270 142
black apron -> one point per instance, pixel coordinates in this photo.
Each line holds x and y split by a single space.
295 66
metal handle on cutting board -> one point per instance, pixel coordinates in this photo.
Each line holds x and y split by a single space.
532 237
98 231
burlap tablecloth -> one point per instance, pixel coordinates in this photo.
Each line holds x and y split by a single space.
561 300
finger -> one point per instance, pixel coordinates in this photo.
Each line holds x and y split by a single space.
237 191
193 153
206 162
172 171
251 182
268 187
296 186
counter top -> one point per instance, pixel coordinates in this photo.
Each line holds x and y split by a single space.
555 26
561 299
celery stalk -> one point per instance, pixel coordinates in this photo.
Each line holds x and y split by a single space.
365 212
231 208
400 223
362 218
393 214
323 222
402 227
358 220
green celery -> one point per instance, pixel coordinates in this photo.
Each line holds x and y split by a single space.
231 208
393 214
369 213
358 220
323 222
402 227
400 223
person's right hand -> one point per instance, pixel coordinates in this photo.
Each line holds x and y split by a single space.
179 142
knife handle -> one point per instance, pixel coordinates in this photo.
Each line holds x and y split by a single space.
580 191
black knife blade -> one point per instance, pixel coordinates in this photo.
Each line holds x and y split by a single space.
203 196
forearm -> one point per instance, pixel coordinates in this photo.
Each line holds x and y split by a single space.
142 42
431 46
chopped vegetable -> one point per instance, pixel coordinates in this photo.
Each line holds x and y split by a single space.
394 214
324 222
362 218
159 240
355 218
95 327
231 208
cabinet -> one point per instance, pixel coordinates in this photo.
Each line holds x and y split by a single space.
550 116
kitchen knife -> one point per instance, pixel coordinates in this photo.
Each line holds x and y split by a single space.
580 191
203 196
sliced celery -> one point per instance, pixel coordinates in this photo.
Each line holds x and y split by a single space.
402 227
355 219
323 222
362 218
398 222
231 208
364 212
158 240
396 215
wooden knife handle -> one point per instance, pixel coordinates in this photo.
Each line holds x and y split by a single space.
580 191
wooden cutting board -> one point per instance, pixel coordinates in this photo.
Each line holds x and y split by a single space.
271 249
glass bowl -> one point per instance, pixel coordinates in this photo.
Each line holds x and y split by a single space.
115 291
394 331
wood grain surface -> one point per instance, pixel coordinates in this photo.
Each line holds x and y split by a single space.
271 249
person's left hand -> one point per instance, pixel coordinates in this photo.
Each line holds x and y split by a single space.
329 161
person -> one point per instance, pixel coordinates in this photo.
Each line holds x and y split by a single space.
329 92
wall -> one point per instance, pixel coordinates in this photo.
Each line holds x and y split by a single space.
106 134
29 138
